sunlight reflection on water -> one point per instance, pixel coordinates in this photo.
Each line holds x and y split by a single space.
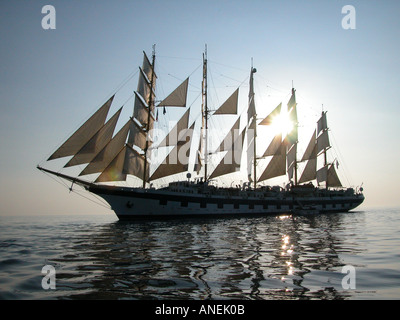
277 257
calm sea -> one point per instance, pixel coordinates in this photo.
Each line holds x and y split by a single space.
276 257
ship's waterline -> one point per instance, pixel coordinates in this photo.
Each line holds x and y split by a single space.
130 203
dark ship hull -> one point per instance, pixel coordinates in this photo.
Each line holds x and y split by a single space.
189 200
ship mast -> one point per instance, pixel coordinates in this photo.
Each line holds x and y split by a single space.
252 119
325 154
253 70
295 155
205 112
292 138
150 102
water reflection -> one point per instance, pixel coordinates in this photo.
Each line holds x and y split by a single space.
281 257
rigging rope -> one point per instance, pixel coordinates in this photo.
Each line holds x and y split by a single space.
338 155
63 183
115 91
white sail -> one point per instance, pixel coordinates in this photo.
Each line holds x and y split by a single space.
143 87
333 179
134 164
176 98
273 146
140 110
323 142
108 153
84 133
178 132
177 160
96 143
322 174
270 118
310 152
230 105
328 175
291 159
322 124
290 171
137 136
114 170
277 166
251 131
292 137
292 101
199 162
143 112
127 161
251 111
231 161
148 69
310 171
144 96
230 137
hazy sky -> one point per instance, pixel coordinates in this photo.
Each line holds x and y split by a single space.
52 80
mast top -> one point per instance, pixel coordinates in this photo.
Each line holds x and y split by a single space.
253 70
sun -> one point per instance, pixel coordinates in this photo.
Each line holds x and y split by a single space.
282 124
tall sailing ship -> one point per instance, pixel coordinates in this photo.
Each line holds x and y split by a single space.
130 153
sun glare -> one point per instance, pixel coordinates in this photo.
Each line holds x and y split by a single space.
282 124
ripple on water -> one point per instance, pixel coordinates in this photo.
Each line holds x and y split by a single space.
261 258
